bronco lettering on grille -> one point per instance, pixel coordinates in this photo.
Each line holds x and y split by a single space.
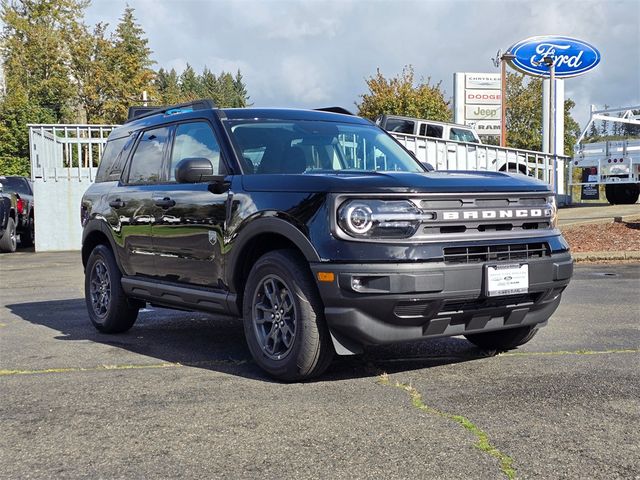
495 214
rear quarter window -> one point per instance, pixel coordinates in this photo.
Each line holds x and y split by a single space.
112 160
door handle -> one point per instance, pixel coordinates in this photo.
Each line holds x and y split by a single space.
117 203
165 202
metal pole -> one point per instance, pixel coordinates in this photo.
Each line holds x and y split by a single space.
503 103
552 123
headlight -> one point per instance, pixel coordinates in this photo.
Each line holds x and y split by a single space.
380 219
553 221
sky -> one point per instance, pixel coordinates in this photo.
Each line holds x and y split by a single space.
313 53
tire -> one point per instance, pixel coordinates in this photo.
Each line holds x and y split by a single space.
611 194
27 237
108 306
282 279
503 340
8 242
627 193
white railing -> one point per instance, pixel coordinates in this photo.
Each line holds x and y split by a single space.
454 155
66 151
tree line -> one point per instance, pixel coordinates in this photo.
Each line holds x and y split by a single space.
58 69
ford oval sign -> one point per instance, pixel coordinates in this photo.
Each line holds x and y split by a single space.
571 56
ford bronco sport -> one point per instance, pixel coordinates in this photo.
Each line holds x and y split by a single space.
318 229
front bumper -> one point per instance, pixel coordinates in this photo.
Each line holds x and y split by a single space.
411 301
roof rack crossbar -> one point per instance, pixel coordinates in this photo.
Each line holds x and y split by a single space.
201 104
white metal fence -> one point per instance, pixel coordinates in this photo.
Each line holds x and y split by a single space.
64 160
454 155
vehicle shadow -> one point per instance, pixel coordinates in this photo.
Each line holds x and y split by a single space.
217 343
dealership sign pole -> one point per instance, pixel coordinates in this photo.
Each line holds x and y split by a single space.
558 57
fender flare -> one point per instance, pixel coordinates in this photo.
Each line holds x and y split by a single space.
98 225
272 225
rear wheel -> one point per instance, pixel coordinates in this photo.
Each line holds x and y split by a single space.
27 237
8 241
503 339
623 194
109 308
283 318
610 193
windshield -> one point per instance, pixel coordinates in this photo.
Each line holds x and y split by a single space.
310 146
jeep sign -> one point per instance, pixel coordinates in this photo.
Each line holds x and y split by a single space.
572 57
477 98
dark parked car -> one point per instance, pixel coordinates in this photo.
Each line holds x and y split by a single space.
7 222
21 187
317 228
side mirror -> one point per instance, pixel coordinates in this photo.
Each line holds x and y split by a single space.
194 170
428 166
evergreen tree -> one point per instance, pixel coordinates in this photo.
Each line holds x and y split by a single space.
241 99
210 86
130 60
190 84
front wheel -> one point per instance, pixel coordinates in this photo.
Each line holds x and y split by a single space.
109 308
284 320
503 339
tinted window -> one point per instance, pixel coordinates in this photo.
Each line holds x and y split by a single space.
462 135
434 131
113 159
15 185
146 163
305 146
400 126
195 140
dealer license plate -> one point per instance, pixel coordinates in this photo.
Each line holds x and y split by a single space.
507 279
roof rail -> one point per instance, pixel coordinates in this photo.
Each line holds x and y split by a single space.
341 110
136 113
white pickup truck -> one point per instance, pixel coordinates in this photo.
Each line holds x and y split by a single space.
612 163
449 146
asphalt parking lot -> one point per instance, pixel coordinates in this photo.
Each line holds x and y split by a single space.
179 397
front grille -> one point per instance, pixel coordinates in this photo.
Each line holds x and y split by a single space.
498 253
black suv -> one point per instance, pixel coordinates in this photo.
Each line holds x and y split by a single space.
317 228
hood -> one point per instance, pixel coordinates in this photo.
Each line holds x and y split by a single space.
395 182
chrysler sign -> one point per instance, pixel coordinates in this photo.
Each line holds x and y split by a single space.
571 56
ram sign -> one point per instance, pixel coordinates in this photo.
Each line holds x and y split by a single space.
571 56
477 98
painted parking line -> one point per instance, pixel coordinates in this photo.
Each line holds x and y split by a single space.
100 368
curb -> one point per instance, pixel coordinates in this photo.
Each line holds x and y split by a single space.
594 256
585 221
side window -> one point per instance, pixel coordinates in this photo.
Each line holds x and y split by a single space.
462 135
146 164
434 131
400 126
109 155
195 140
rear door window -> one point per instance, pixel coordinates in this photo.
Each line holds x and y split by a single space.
146 163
